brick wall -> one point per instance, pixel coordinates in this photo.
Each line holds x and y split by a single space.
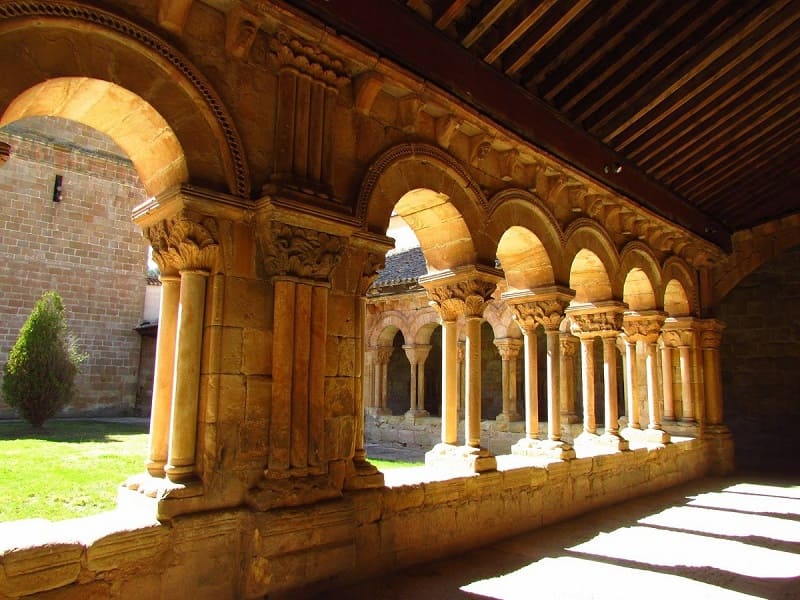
760 358
84 247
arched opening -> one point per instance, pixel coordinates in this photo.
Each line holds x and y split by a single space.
589 278
399 387
638 291
524 259
676 300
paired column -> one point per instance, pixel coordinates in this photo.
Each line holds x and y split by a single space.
599 320
678 334
186 250
645 327
417 355
710 339
461 292
509 351
380 386
545 307
568 344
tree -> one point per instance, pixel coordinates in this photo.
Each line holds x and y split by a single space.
39 376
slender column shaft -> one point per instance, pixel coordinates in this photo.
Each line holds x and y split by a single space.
713 386
687 395
413 386
610 382
512 386
473 394
506 384
283 345
553 385
449 383
183 422
164 375
384 384
567 369
316 379
666 380
302 360
630 385
362 375
531 386
587 378
652 397
377 374
421 386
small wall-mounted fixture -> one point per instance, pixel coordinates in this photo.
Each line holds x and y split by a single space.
57 189
616 169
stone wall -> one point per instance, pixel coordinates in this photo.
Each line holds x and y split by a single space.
241 554
760 354
85 247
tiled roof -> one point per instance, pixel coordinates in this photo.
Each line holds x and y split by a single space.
402 267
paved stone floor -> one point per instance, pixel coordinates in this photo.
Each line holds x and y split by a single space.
719 538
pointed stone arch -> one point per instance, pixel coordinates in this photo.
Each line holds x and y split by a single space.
424 185
141 63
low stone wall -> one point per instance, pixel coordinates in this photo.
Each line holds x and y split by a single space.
241 554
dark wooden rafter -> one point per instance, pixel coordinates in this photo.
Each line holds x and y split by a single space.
700 96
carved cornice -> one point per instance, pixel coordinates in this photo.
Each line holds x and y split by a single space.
307 59
101 18
185 241
5 153
643 326
302 253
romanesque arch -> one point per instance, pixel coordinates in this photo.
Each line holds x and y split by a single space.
593 259
83 38
525 260
680 288
641 278
436 196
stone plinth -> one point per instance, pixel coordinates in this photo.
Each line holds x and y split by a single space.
459 459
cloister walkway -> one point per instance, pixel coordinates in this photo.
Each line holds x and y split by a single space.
734 537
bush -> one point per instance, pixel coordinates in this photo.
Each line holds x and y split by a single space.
39 377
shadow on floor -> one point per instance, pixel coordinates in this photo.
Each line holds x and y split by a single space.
735 537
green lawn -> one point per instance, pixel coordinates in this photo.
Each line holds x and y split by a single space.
72 469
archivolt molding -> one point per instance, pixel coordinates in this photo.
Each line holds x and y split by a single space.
531 202
392 320
637 254
68 10
423 152
185 241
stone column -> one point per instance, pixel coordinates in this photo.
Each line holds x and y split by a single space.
185 243
509 351
463 291
417 378
645 326
603 320
631 392
545 307
164 375
382 356
461 378
449 381
180 466
666 382
422 357
568 344
710 340
362 474
677 333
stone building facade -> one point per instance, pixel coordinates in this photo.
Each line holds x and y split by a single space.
79 241
274 152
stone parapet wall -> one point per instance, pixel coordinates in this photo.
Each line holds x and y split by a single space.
241 554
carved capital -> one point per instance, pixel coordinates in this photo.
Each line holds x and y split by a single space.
302 253
187 240
468 298
307 59
383 354
508 348
542 306
601 319
417 353
643 326
568 344
709 332
240 31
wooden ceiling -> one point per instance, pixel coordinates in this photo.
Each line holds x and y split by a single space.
699 98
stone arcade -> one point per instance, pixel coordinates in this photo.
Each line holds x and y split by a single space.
274 153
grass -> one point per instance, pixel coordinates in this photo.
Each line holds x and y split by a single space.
71 469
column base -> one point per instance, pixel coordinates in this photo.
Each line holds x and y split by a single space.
361 474
280 491
460 458
556 449
570 418
416 413
156 468
632 434
656 436
180 474
508 417
614 442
